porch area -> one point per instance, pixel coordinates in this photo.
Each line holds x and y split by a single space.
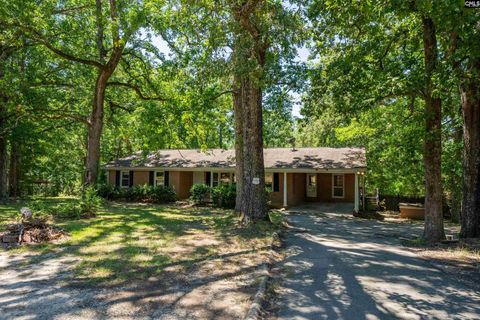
311 189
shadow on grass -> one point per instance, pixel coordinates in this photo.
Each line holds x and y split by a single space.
125 246
126 242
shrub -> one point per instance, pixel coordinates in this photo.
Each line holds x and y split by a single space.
89 202
161 194
85 207
68 211
224 196
39 208
108 191
200 193
129 194
142 193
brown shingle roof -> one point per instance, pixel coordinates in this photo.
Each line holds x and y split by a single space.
275 158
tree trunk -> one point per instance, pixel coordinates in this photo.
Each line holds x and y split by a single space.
95 129
249 47
238 113
433 231
253 200
95 126
457 185
15 169
470 94
3 133
3 149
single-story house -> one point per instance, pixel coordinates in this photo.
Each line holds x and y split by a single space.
293 175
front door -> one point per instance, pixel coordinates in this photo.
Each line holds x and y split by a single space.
311 185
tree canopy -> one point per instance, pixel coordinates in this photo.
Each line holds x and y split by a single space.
85 82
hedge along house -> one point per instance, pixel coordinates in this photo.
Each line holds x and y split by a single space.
293 175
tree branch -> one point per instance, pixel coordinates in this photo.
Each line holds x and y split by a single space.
67 11
59 126
218 95
65 55
62 114
118 106
136 89
51 84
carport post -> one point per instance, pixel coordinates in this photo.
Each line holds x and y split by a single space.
285 189
357 196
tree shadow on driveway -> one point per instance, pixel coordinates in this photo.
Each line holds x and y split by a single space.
350 269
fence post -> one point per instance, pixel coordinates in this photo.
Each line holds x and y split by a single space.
363 193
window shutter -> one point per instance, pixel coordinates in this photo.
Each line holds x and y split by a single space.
117 178
131 179
276 182
151 178
166 178
208 178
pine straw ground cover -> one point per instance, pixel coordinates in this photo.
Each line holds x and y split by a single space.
459 258
139 261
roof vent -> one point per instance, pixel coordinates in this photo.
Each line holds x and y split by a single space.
292 143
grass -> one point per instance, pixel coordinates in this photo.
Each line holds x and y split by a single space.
128 242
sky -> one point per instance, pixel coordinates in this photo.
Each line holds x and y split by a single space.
303 54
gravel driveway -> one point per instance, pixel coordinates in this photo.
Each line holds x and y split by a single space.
344 268
44 287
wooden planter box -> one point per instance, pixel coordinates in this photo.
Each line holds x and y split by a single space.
412 210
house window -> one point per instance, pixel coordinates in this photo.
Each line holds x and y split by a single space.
225 178
125 179
338 186
208 178
276 182
159 178
215 176
269 181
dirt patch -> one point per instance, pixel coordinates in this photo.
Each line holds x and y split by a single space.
216 288
371 215
460 259
34 230
210 277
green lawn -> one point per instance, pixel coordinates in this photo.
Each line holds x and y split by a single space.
134 241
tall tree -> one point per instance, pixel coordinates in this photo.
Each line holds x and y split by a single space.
244 42
433 231
10 43
64 31
3 146
105 71
3 129
461 29
5 50
372 57
470 93
250 47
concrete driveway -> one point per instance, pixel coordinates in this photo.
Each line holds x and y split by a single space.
344 268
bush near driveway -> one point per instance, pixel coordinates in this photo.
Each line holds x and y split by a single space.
224 196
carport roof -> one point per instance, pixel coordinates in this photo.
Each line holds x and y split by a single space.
274 158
